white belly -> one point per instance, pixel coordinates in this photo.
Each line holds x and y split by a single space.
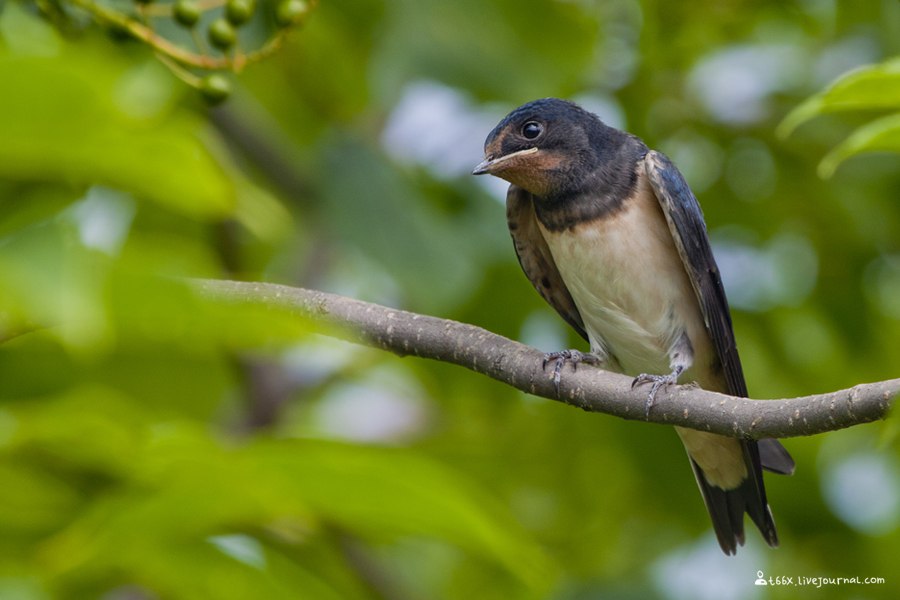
635 299
630 286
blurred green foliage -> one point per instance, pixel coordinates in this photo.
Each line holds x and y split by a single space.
867 88
156 445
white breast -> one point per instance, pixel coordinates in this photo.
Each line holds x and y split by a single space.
630 286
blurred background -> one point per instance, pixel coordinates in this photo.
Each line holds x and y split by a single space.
156 445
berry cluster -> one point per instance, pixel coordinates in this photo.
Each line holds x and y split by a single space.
213 27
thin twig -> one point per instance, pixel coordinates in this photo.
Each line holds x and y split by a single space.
175 52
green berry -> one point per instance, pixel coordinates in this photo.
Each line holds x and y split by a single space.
222 34
239 12
291 12
215 88
186 12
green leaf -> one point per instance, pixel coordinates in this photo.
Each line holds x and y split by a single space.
872 87
51 279
61 124
881 135
32 500
387 217
26 204
387 492
555 59
186 487
201 569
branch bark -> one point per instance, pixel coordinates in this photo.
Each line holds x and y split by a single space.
589 388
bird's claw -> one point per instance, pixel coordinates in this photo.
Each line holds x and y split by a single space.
563 356
656 381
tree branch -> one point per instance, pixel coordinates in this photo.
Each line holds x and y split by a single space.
591 389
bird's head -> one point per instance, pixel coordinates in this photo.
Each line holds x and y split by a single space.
542 147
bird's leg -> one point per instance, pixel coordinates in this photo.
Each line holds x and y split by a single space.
572 356
657 382
681 357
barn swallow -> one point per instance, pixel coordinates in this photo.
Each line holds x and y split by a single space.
611 236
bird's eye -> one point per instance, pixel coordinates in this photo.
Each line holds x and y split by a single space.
531 130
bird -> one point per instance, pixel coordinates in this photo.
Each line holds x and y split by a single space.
612 237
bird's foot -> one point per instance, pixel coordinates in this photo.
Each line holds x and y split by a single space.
656 381
572 356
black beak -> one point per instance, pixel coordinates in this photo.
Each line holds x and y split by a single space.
484 167
489 162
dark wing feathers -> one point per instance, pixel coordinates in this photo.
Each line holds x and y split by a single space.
775 457
685 219
535 258
686 223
